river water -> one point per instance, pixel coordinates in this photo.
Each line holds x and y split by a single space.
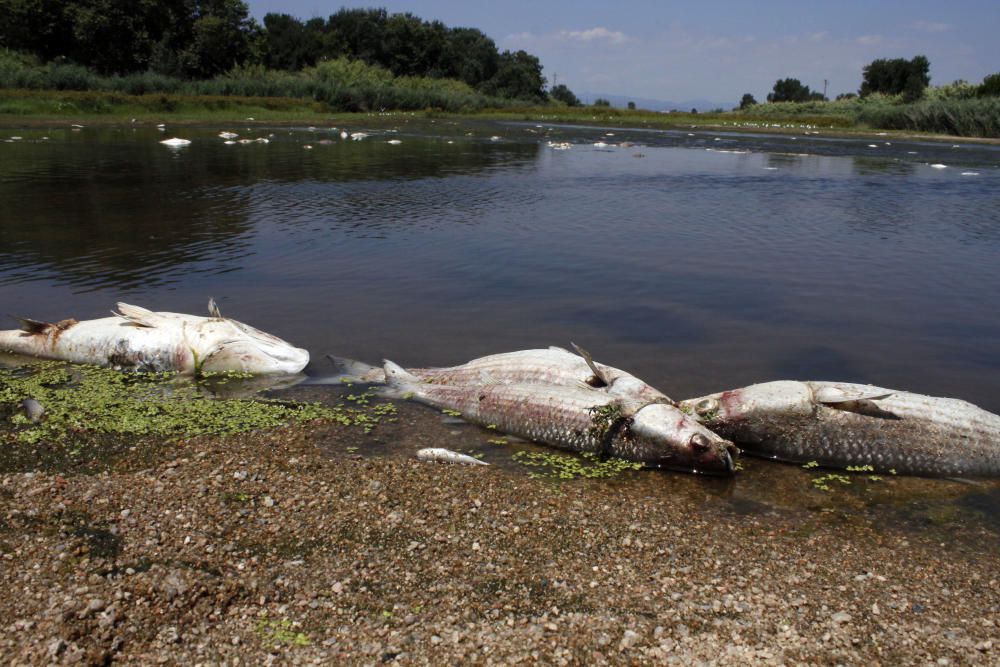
698 259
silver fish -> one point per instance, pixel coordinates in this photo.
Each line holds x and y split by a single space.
578 418
140 339
838 424
442 455
553 366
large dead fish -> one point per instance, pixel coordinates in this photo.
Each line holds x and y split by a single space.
552 366
840 424
140 339
579 418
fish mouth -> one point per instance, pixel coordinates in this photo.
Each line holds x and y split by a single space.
712 457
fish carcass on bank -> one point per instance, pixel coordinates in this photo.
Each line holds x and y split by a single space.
552 366
143 340
839 424
580 418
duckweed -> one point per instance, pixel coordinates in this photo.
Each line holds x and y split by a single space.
565 467
88 400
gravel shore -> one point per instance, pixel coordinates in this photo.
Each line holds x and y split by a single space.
271 549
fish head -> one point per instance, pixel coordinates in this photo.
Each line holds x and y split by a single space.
783 397
669 438
240 347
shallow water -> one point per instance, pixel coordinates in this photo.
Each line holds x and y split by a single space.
700 260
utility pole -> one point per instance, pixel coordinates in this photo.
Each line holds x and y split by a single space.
824 88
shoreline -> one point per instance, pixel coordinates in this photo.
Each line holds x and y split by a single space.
295 119
288 545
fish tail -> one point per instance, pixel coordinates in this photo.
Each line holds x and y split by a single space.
352 370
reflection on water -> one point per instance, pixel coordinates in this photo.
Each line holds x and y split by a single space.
699 260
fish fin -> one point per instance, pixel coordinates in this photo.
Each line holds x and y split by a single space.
866 408
34 326
353 370
137 315
398 381
600 377
841 395
213 309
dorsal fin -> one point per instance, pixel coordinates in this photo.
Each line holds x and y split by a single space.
137 315
213 308
599 375
843 395
33 326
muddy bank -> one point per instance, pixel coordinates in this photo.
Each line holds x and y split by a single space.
290 546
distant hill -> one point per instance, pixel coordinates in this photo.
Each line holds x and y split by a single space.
656 105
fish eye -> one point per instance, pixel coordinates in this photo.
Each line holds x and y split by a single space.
700 442
706 406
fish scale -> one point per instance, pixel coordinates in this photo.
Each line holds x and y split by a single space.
579 419
891 431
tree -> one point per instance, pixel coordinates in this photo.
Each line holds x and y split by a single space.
631 106
519 76
897 76
747 101
223 36
601 102
789 90
565 95
990 86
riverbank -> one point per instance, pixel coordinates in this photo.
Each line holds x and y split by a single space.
289 545
29 108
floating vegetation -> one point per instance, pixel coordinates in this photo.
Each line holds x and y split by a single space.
82 402
604 418
281 632
564 466
823 483
451 413
497 441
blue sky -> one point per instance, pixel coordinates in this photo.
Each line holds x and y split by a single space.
714 50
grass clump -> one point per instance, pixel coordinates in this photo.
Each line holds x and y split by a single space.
567 467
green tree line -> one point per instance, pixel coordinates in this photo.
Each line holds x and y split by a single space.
200 39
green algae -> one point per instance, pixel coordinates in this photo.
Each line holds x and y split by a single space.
84 404
566 467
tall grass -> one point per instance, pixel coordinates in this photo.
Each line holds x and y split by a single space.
963 117
341 85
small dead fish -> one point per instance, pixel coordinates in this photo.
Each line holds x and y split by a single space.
554 366
839 424
577 418
33 410
140 339
442 455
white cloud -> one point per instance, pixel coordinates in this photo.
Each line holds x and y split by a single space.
870 40
593 34
931 26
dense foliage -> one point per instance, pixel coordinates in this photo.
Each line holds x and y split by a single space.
201 39
563 94
792 90
897 76
747 101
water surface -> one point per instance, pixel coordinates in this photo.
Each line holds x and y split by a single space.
700 260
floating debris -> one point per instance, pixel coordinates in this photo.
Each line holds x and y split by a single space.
176 142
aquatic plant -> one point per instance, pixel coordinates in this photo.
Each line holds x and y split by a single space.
82 401
566 467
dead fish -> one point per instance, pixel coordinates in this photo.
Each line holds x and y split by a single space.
442 455
839 424
577 418
33 410
554 366
143 340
